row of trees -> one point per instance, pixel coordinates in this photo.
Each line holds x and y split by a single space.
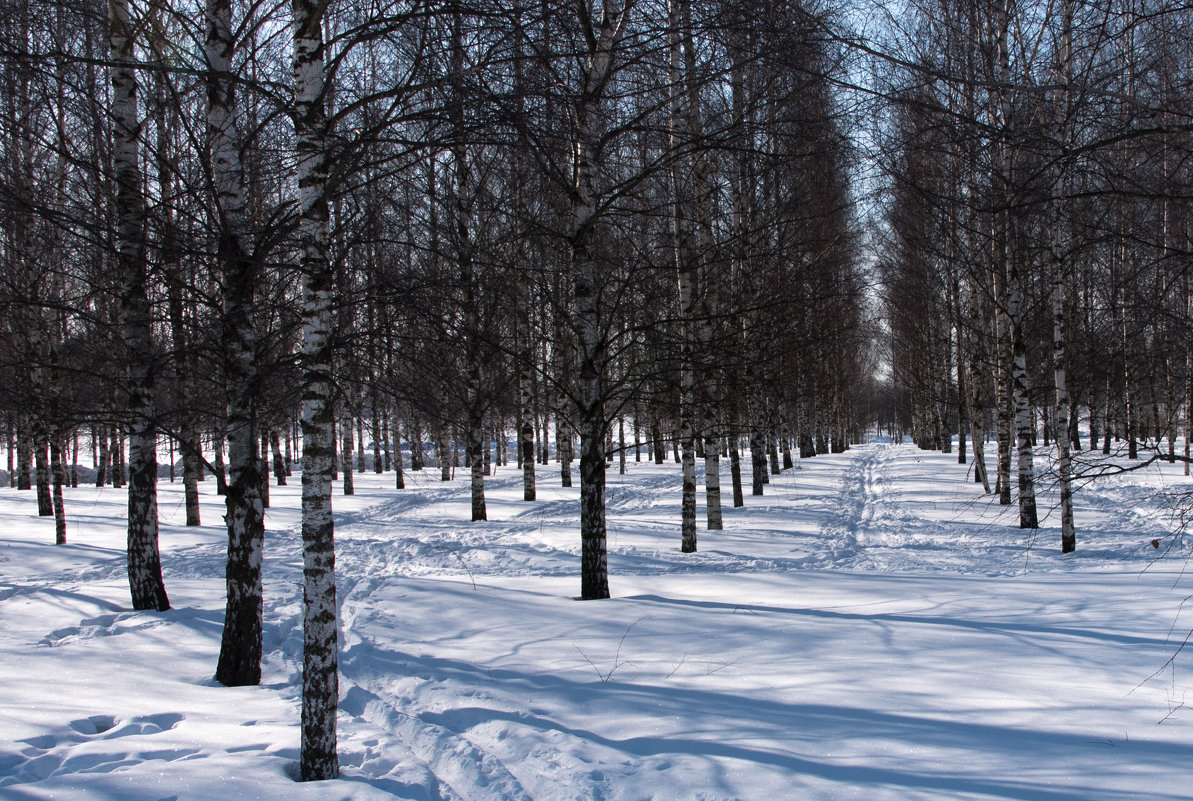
1039 239
421 222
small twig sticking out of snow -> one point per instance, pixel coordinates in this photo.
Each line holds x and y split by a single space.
1170 665
677 667
603 676
710 671
1172 712
617 660
467 569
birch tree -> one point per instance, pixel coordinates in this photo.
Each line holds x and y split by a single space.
240 648
604 37
144 562
320 681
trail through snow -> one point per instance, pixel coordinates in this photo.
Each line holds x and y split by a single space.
872 628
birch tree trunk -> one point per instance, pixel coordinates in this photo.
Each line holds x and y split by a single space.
24 455
59 478
41 444
144 563
188 437
320 682
240 647
349 485
1060 279
279 463
1013 287
759 477
687 273
416 443
701 194
461 190
525 351
104 459
399 474
584 217
1023 417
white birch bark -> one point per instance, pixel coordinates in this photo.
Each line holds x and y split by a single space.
240 648
594 570
999 234
1023 418
704 289
525 345
144 562
399 474
461 190
687 277
320 681
1013 290
346 448
1060 276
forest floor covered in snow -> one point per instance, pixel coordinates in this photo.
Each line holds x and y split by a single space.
874 628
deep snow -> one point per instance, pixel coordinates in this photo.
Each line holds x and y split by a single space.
873 628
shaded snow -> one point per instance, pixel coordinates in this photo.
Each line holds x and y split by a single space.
873 628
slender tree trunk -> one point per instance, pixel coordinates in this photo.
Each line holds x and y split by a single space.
289 455
386 455
1060 279
594 569
962 377
10 447
688 500
1068 537
1023 416
188 437
144 562
240 646
687 271
757 440
279 465
378 437
772 443
221 471
41 444
263 467
705 300
637 433
621 448
476 455
104 459
59 478
442 453
462 195
399 475
1129 412
527 446
1188 378
416 443
346 454
361 464
320 695
24 456
735 472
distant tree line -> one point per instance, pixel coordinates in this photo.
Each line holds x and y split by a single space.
1037 269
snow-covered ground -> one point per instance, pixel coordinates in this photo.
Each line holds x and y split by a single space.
873 628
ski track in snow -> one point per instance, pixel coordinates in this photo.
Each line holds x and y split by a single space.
848 525
420 724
